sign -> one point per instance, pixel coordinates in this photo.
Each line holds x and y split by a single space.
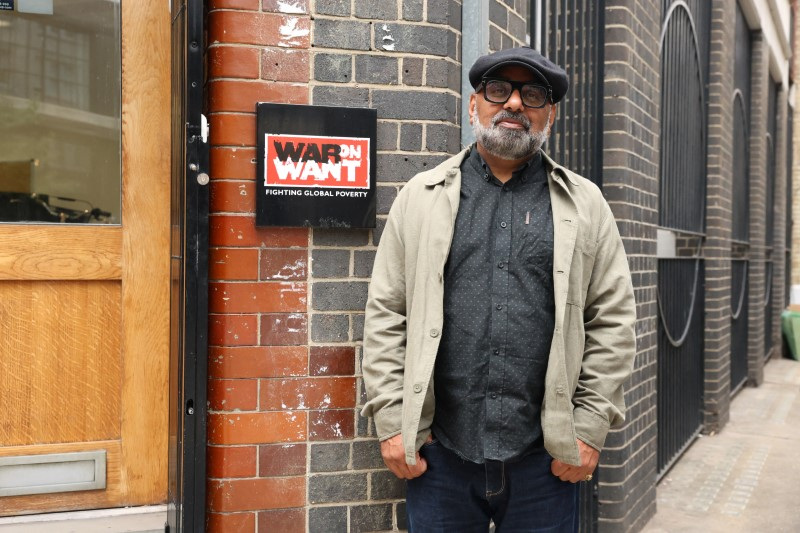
315 166
6 5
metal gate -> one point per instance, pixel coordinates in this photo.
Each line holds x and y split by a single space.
684 46
769 240
571 34
740 215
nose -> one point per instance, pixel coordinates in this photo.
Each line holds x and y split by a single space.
514 102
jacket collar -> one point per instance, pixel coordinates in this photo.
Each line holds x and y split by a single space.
448 169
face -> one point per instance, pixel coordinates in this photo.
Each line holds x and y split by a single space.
510 130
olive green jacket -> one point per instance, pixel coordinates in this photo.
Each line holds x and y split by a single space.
593 345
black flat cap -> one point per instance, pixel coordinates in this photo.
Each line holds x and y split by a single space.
524 56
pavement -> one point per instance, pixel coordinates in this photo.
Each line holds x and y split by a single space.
746 478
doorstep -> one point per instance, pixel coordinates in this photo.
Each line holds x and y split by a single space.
148 519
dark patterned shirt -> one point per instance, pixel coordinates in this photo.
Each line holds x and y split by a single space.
499 315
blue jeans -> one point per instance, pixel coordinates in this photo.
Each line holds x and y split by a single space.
458 496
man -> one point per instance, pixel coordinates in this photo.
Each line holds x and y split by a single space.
499 325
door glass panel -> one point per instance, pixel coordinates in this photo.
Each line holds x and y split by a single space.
60 92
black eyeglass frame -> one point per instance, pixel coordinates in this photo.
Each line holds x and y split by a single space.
517 86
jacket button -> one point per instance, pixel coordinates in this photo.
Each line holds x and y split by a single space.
434 333
417 387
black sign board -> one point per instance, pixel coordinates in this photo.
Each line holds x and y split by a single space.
6 5
315 166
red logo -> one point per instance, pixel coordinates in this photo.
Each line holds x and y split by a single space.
311 161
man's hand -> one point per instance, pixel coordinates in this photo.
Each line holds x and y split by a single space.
574 474
395 458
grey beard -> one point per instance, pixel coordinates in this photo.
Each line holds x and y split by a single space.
506 143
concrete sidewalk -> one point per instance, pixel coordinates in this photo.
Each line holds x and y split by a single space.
746 478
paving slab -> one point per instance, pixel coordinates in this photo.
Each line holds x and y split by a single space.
747 477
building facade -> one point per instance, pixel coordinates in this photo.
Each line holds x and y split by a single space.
679 109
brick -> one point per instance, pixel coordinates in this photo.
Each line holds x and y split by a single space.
232 394
341 35
256 428
231 461
282 64
367 454
281 460
411 38
254 297
377 69
340 8
233 264
256 494
370 9
331 361
284 329
329 457
498 14
230 522
439 11
338 237
413 68
308 393
442 138
251 5
370 518
232 62
285 6
232 197
327 520
393 168
358 327
337 488
384 485
331 424
227 230
413 105
232 130
263 29
411 137
284 264
330 328
257 361
232 330
437 73
412 10
282 521
339 296
243 95
330 263
333 67
232 163
341 96
387 135
402 518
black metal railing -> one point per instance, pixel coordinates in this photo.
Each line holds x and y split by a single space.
740 231
769 274
680 368
739 317
573 37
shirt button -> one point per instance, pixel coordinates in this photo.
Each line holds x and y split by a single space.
417 387
494 395
501 265
434 333
499 307
497 352
503 224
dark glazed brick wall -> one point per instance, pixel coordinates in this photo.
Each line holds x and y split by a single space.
630 184
402 59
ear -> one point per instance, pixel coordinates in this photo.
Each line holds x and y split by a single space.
553 112
472 98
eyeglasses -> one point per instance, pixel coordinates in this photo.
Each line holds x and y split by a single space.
498 91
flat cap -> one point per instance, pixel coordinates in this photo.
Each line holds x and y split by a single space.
524 56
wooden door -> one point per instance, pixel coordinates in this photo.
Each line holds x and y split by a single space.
84 310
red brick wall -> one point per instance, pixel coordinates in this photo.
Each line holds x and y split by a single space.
260 391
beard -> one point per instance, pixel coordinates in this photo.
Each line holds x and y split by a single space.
506 143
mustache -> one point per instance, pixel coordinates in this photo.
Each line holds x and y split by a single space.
508 115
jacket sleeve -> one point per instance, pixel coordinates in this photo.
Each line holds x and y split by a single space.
384 346
610 342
